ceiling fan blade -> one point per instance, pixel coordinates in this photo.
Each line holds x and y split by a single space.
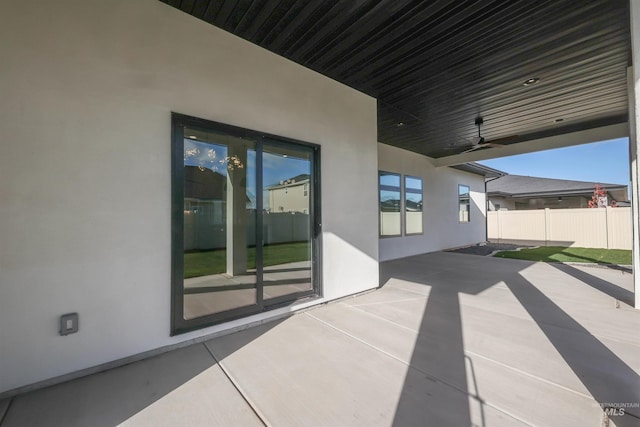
474 148
505 140
478 140
482 147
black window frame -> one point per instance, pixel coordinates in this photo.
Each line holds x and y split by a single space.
404 203
400 190
179 325
468 204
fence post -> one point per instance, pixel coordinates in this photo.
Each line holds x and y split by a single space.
547 226
607 217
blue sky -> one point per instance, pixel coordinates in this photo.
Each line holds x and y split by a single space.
604 162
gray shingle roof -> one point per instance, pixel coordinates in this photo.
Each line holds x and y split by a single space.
479 169
522 186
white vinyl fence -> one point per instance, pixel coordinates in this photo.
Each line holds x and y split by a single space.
607 228
204 231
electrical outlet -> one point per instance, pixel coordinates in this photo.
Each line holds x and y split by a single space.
69 324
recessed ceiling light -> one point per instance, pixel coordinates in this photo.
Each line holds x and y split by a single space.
531 81
400 124
192 136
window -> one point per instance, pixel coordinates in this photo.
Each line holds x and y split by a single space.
412 205
464 206
390 204
235 225
400 204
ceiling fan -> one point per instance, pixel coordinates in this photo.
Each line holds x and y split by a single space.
479 142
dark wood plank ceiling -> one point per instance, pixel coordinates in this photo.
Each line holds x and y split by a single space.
436 65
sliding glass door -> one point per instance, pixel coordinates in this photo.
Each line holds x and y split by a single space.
219 220
287 229
245 222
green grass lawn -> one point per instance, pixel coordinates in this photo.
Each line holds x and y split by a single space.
562 254
204 263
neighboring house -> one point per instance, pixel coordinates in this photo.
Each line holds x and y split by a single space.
203 184
291 195
517 192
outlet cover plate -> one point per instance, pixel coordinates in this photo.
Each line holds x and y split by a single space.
68 324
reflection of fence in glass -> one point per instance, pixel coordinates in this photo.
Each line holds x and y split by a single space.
414 222
464 213
413 205
464 203
390 204
205 227
389 223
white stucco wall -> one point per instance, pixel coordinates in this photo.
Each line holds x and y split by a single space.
440 205
86 92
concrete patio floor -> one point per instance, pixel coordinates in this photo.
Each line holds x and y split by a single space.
449 340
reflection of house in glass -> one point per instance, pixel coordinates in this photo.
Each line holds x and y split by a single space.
291 195
413 206
390 205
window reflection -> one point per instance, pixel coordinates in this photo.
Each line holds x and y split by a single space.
243 221
390 204
287 228
464 206
413 205
219 223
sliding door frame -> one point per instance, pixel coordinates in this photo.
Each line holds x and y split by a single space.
313 219
179 324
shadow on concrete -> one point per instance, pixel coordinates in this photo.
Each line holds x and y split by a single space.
111 397
486 248
597 367
597 283
439 348
440 342
439 387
